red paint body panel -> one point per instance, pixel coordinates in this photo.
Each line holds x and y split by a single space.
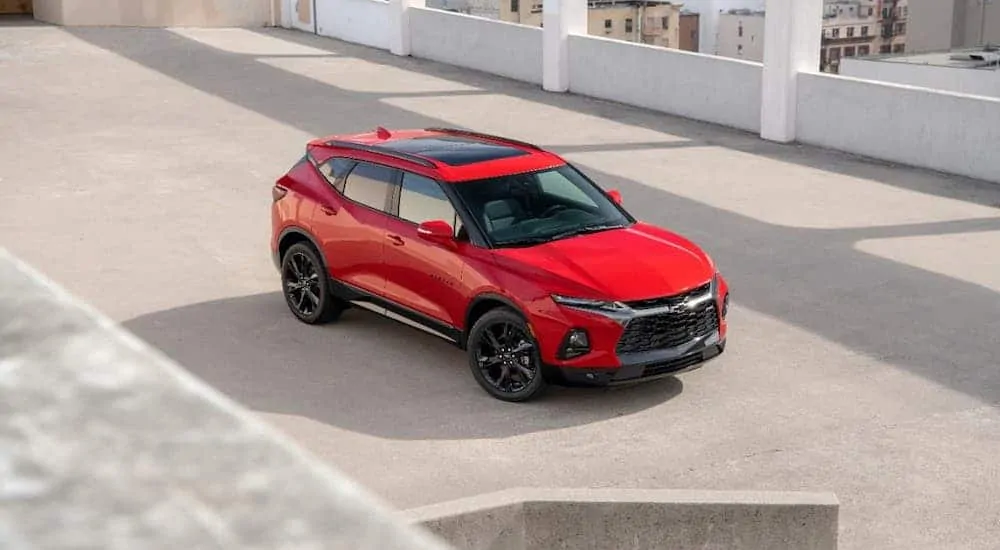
386 256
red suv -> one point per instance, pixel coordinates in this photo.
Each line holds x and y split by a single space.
500 247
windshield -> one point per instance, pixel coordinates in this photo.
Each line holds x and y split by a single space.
536 207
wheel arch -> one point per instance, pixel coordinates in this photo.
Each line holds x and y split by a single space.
482 304
292 235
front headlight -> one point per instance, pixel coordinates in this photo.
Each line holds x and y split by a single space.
588 303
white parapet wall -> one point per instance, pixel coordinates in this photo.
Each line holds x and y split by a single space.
951 79
714 89
501 48
155 13
943 131
357 21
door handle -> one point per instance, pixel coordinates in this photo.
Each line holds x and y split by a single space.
396 239
328 210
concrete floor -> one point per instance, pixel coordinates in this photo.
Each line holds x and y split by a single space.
136 171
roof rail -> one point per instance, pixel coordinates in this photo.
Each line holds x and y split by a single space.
423 161
470 133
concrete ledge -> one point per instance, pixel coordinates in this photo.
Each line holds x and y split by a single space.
609 519
105 443
156 13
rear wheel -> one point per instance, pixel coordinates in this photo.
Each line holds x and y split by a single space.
504 357
306 286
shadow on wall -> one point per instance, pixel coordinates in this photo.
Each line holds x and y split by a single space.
253 350
932 325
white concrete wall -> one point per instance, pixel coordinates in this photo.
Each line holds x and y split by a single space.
505 49
358 21
714 89
943 131
963 81
155 13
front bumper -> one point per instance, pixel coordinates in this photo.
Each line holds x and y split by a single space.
645 366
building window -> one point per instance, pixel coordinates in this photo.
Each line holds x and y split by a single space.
515 6
666 22
849 51
885 49
739 49
739 31
900 28
864 50
628 25
898 48
864 30
871 11
607 25
850 32
836 33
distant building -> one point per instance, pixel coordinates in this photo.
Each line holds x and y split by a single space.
690 32
644 21
851 28
741 35
942 25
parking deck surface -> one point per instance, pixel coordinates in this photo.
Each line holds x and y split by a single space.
863 357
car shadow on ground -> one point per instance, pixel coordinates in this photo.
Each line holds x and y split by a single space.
365 373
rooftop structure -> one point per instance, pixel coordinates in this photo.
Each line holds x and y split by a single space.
982 59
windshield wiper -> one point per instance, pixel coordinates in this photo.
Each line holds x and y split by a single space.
526 241
586 229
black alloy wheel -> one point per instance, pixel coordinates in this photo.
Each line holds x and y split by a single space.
504 356
306 287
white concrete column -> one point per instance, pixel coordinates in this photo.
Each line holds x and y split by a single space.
793 34
560 18
399 22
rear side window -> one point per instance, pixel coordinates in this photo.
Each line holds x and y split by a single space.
335 171
370 184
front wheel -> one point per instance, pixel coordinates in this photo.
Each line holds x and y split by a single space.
504 357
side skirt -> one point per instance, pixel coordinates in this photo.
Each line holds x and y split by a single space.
387 308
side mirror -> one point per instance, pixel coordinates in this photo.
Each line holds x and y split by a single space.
436 230
615 196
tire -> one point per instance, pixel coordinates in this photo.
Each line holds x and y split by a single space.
503 372
306 287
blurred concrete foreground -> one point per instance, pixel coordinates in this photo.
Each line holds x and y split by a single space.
105 443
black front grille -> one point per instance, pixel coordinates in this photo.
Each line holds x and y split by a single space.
674 300
667 330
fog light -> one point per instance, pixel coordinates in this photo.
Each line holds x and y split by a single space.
725 305
575 344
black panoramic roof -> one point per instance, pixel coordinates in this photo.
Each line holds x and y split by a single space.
455 151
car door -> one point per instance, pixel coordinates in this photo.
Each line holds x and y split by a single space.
350 224
422 275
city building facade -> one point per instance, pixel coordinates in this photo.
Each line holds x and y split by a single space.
646 22
851 28
942 25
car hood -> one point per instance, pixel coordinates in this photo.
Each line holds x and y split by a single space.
634 263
